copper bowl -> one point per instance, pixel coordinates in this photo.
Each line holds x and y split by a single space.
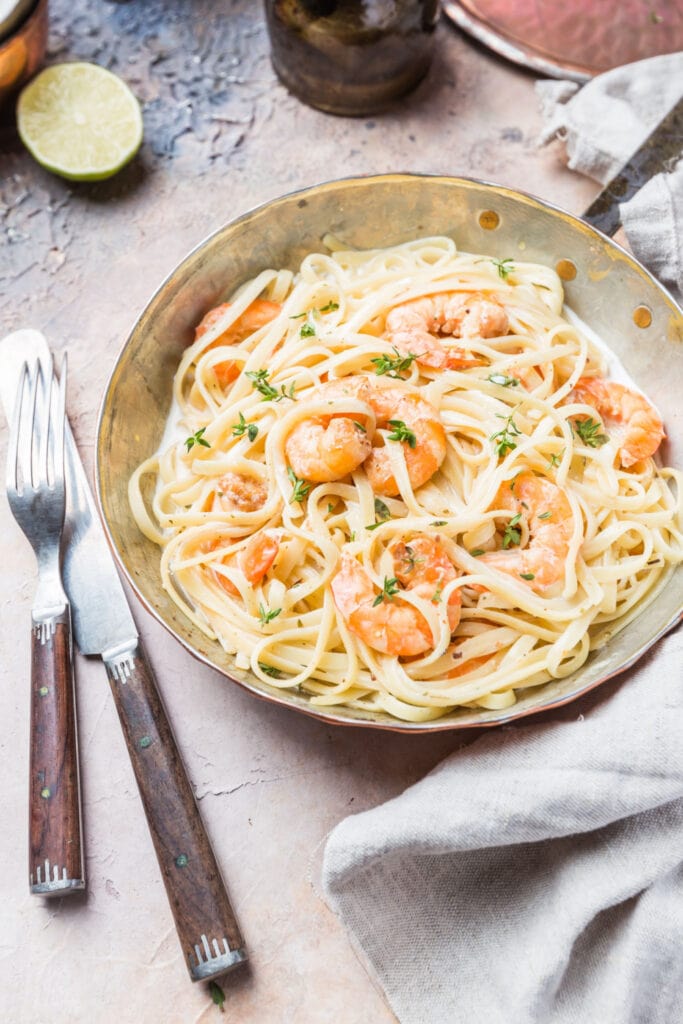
605 286
22 53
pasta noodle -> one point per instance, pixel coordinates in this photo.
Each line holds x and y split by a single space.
476 525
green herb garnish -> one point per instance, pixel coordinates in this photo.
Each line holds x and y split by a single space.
307 330
504 267
259 382
389 589
267 616
436 599
381 511
554 459
359 426
329 308
410 558
528 575
476 552
505 382
393 366
300 487
402 432
505 438
588 432
241 428
512 536
440 522
545 515
197 438
270 670
217 995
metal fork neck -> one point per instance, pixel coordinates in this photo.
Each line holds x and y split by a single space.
50 599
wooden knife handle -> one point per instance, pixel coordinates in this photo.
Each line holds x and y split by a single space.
205 921
55 850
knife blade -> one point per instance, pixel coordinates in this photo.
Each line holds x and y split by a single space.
659 152
104 626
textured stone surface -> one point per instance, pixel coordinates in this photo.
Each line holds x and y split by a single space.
79 262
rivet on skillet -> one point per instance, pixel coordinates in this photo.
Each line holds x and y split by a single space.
642 316
489 220
566 269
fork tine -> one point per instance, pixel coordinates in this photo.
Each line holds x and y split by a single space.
40 424
13 454
58 424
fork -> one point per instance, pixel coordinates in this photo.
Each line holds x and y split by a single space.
36 494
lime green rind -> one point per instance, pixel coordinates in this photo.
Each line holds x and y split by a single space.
63 170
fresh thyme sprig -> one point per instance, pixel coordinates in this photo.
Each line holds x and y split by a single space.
197 438
393 366
504 267
505 438
401 432
512 536
588 429
389 589
266 616
241 428
300 488
259 382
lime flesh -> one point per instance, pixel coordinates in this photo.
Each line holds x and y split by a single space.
79 121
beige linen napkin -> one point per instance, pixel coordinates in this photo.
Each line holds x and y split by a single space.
536 876
603 124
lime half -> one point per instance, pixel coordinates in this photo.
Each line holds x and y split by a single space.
79 121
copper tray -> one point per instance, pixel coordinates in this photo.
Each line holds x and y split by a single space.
576 39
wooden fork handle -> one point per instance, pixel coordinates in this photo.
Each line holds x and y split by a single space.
55 847
205 921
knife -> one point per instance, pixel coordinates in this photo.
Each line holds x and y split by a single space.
103 625
660 152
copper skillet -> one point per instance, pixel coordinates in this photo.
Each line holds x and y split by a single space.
605 286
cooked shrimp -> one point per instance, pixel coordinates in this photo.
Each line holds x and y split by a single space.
627 413
424 453
254 560
256 315
549 518
416 327
422 565
390 626
326 448
239 493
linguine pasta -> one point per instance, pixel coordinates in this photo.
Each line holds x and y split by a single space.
577 565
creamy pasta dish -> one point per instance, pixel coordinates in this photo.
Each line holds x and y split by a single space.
404 480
